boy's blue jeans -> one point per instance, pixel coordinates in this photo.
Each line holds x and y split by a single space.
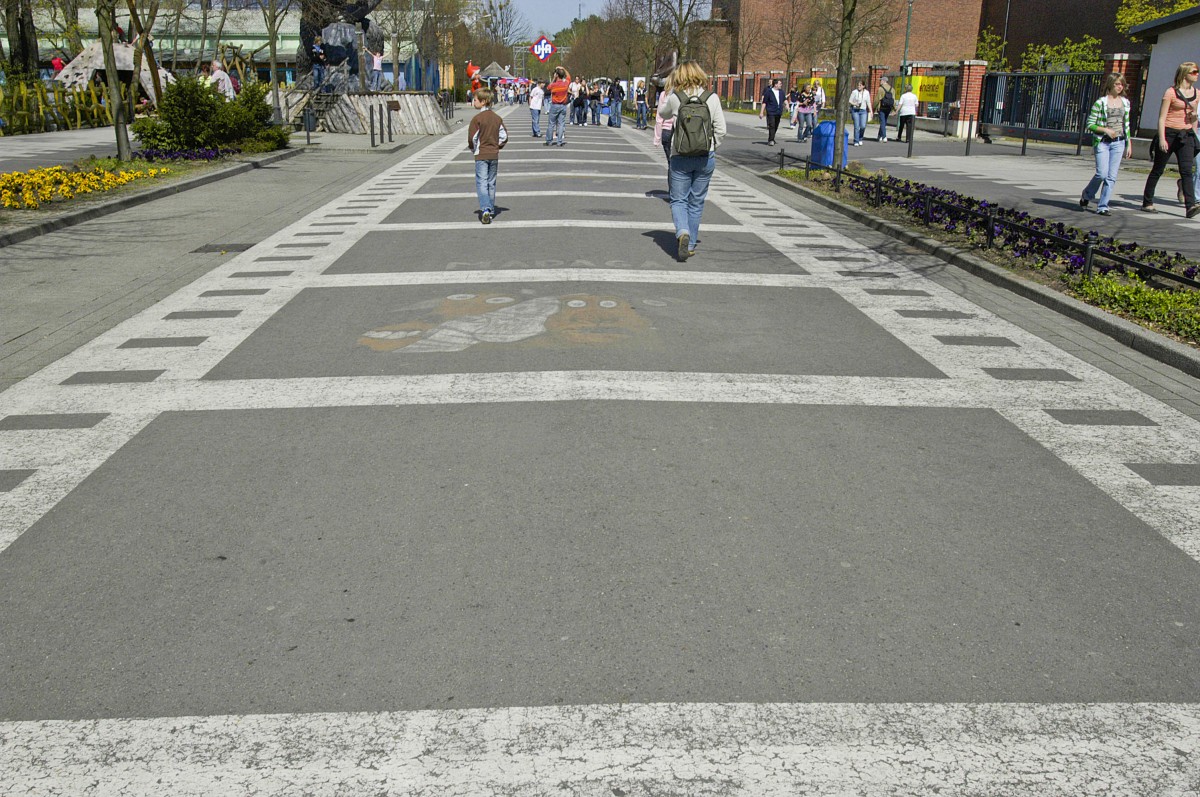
536 115
485 185
688 179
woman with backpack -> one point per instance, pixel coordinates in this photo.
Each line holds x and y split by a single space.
887 104
1176 135
1108 122
699 128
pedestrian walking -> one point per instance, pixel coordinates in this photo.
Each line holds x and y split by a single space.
771 108
806 113
906 113
221 80
793 107
616 98
663 126
560 98
486 136
699 128
535 108
820 95
1176 135
594 99
319 63
579 105
643 110
860 111
884 107
1108 122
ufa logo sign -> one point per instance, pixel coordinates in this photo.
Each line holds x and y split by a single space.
543 48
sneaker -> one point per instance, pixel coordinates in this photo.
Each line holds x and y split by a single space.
1149 208
1083 202
546 143
1103 212
1179 192
683 252
486 217
770 143
1193 211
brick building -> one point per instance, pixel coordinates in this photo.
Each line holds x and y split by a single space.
1040 22
943 31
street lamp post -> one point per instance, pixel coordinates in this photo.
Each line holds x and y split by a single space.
907 30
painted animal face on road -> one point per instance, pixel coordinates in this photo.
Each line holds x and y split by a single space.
464 320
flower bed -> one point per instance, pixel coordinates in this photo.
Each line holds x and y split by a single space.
32 189
1050 250
204 154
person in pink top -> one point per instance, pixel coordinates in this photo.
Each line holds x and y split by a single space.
1176 135
663 127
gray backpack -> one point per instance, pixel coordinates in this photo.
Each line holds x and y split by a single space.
693 134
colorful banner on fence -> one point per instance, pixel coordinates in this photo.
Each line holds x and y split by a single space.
929 88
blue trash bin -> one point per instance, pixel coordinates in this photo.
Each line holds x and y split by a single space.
822 144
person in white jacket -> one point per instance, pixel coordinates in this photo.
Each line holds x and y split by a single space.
690 175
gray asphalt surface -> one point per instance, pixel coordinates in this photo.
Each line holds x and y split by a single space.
385 458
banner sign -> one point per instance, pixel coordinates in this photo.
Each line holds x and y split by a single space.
543 48
929 89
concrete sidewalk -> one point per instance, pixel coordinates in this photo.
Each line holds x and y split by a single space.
1047 181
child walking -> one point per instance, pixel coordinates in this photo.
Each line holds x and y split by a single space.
486 137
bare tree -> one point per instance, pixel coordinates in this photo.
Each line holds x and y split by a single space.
791 33
400 22
273 13
106 20
632 43
504 23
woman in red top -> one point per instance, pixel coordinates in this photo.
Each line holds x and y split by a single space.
1176 134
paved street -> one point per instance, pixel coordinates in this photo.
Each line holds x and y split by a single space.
385 501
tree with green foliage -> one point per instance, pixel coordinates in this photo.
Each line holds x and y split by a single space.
1132 13
1083 56
990 47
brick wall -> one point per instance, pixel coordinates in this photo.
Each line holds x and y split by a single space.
942 30
1041 22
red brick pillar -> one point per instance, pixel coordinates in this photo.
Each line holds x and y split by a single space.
1130 68
874 75
970 95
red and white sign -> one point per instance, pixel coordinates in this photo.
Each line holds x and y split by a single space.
543 48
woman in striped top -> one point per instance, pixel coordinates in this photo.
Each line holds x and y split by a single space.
1108 123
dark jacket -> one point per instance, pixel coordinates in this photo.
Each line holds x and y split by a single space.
774 107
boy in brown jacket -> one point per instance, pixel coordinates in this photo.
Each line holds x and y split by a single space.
486 137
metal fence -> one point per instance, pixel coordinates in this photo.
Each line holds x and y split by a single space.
1044 106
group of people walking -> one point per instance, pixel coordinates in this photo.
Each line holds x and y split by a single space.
690 125
804 103
565 100
1175 134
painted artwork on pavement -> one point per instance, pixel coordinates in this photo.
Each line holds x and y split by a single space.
463 320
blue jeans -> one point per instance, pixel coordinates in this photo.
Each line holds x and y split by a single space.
595 106
485 184
688 178
643 115
614 114
860 123
1108 163
536 115
318 73
808 123
376 80
883 117
558 124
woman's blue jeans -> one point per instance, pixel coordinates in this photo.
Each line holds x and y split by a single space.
689 178
1108 163
808 123
643 114
860 124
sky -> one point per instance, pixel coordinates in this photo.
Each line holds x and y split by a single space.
551 16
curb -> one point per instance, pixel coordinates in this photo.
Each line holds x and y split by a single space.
72 218
1127 333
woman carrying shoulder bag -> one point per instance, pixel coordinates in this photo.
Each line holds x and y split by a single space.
1108 122
1176 134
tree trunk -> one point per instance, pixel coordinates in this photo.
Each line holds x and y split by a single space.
105 10
74 40
844 70
175 38
22 38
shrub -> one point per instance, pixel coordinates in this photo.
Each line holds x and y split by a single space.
37 186
192 116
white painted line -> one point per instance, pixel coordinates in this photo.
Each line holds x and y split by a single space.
590 194
544 224
765 750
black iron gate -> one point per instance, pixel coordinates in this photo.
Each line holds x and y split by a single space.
1047 106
